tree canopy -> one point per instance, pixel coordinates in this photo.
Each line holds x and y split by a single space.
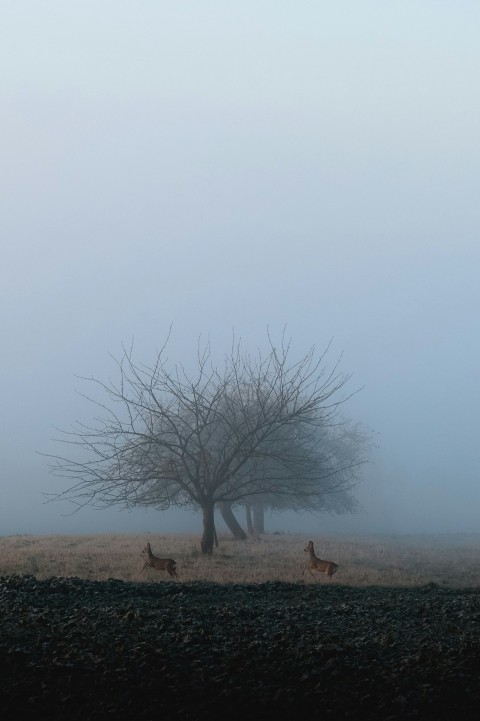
222 433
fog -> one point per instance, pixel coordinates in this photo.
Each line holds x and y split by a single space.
226 167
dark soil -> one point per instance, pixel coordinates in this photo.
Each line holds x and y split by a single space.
73 649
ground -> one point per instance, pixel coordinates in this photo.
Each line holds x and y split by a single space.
119 650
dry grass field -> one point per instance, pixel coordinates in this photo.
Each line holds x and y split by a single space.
392 561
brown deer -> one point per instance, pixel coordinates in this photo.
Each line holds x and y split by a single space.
160 564
315 563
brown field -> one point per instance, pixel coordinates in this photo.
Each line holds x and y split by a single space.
395 634
392 561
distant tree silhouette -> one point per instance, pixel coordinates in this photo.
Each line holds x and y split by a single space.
343 450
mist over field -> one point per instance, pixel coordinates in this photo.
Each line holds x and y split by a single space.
233 168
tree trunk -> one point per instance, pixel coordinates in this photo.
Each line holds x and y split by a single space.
258 519
248 514
209 533
232 523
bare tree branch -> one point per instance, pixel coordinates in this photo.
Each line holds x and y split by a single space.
164 436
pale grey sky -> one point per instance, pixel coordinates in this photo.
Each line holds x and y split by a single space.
222 166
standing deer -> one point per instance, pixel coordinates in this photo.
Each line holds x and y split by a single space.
160 564
317 564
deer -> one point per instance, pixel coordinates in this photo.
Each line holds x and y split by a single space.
160 564
315 563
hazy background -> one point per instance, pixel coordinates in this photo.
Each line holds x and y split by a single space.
232 166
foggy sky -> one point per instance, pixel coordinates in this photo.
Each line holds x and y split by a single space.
222 166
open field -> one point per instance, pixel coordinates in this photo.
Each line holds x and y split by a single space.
395 634
448 560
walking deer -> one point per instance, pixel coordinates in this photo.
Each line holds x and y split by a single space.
160 564
315 563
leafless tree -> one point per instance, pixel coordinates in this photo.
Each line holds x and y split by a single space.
341 450
168 437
